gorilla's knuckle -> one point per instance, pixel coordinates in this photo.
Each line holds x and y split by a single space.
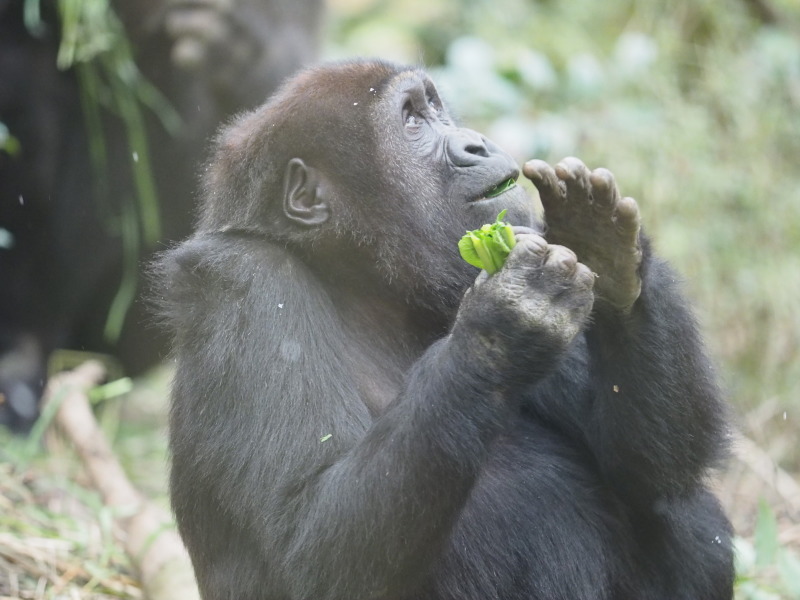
530 245
521 230
602 176
584 276
562 259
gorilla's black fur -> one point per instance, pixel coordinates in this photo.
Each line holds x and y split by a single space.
356 416
61 251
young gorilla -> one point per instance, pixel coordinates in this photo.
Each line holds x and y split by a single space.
355 416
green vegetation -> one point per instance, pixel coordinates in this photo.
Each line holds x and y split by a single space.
765 569
95 46
488 247
55 535
8 143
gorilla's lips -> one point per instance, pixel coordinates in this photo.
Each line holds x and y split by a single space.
500 188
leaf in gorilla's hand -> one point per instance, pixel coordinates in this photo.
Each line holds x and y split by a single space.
488 247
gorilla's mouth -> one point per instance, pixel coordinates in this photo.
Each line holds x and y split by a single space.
499 188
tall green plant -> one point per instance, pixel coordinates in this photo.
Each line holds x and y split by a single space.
8 143
766 570
94 45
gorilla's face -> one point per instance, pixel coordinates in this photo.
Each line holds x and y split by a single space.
379 174
446 168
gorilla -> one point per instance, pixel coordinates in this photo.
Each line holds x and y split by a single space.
62 255
359 414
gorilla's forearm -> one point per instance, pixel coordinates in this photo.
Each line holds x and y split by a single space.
395 495
640 392
657 419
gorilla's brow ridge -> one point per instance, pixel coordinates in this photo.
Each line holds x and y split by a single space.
400 73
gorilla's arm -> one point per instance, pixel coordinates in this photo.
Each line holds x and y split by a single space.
268 427
657 421
650 410
640 393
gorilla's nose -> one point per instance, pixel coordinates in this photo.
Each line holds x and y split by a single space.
467 148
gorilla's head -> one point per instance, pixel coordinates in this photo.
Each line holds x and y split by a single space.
360 168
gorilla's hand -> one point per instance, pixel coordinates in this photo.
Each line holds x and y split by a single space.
528 312
584 211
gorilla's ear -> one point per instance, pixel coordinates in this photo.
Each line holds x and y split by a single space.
302 202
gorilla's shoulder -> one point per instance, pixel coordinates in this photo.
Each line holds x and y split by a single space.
227 267
226 256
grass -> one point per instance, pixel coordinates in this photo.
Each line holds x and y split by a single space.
55 535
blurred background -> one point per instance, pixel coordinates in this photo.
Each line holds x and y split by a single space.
694 105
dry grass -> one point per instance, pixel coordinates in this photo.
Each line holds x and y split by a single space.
55 540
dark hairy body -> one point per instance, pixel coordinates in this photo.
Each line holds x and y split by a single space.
63 258
356 416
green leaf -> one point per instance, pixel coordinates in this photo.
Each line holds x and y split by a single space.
789 568
488 247
484 253
500 240
766 535
504 230
467 251
110 390
499 189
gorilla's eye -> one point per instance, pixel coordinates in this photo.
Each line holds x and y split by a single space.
410 118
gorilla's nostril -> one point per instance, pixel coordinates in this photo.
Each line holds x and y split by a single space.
477 150
467 148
